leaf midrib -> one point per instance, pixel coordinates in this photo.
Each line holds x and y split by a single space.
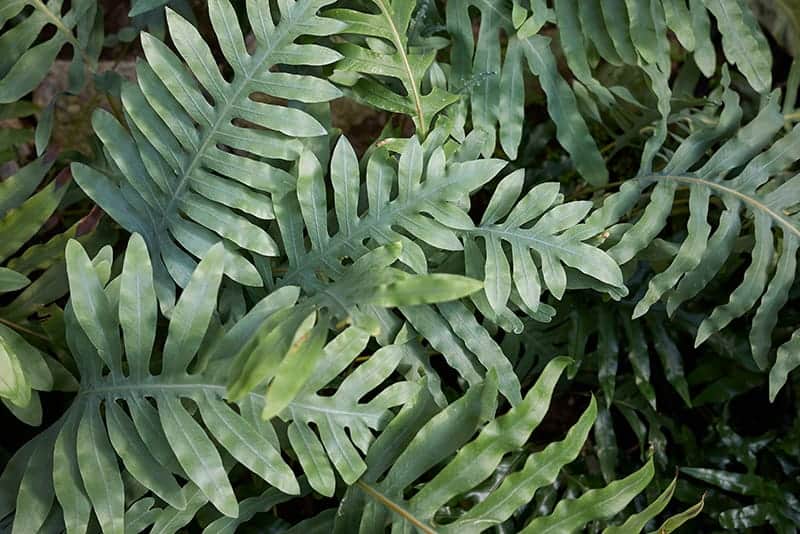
401 50
282 31
754 203
315 259
187 386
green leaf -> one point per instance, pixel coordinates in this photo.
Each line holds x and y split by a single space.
740 172
12 280
35 495
674 522
477 460
424 289
193 311
197 455
14 385
295 368
554 238
137 459
100 473
67 482
787 360
637 521
247 445
572 515
15 189
137 306
91 307
573 133
539 470
22 223
173 171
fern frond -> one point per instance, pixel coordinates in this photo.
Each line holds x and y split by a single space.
538 223
26 59
747 174
200 156
125 411
398 461
423 201
372 61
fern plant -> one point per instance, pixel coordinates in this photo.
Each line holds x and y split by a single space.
155 440
510 308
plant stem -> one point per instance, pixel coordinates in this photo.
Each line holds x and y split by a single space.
21 328
393 506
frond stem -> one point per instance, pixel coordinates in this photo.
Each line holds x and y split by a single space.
21 328
783 221
394 507
68 35
401 49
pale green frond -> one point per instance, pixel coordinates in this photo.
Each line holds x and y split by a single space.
538 224
747 172
392 57
188 164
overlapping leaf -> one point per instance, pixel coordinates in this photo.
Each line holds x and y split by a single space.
418 199
623 33
399 458
127 411
25 208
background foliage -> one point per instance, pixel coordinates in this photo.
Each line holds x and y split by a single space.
360 265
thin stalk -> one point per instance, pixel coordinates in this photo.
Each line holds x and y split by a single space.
394 507
21 328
